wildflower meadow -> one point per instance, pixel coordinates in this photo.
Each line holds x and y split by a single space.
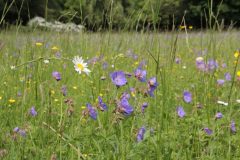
128 95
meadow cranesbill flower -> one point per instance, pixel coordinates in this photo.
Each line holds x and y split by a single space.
80 66
223 103
140 134
125 95
228 76
16 129
64 90
124 106
208 131
118 78
152 85
177 60
56 75
233 127
212 65
220 82
144 106
187 96
32 111
200 63
101 104
140 74
92 112
22 132
218 115
180 111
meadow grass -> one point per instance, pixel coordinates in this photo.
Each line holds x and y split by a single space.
61 130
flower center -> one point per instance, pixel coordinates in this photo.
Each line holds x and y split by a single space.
80 66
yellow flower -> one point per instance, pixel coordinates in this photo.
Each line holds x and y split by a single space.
56 100
74 87
182 27
136 63
38 44
100 94
11 100
52 91
236 54
0 97
190 27
83 107
55 48
238 73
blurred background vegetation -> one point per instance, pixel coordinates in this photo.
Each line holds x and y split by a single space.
125 14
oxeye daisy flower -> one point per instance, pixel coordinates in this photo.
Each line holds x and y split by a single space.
118 78
187 96
180 111
140 134
140 74
92 112
223 103
80 66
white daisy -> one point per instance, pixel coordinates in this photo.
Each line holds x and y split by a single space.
46 61
223 103
80 66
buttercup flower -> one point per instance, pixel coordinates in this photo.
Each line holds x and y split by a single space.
140 134
80 66
118 78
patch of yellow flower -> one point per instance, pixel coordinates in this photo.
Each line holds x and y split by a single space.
238 73
38 44
0 98
74 87
55 48
236 54
11 100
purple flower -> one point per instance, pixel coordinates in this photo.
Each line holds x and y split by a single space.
56 75
140 74
220 82
200 64
233 127
140 134
33 112
152 85
218 115
64 90
224 65
212 65
118 78
187 96
22 132
144 106
101 105
105 65
228 76
208 131
16 129
177 60
92 112
125 107
180 112
58 55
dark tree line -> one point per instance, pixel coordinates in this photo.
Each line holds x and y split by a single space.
125 14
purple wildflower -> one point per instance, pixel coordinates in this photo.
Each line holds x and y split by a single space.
177 60
224 65
152 85
125 107
58 55
125 95
140 134
220 82
187 96
233 127
101 105
180 111
118 78
208 131
218 115
64 90
144 106
105 65
92 112
32 111
212 65
22 132
200 64
56 75
140 74
16 129
228 76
